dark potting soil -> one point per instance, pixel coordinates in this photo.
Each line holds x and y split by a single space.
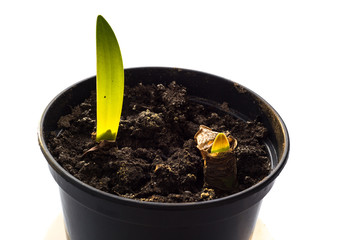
155 157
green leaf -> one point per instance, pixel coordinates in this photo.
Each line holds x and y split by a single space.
221 144
109 81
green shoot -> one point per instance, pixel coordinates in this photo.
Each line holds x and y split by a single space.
109 82
221 144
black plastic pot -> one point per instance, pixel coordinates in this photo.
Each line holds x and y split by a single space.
92 214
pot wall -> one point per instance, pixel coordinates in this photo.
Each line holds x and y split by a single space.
142 223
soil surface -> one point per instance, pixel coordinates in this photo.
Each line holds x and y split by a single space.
155 157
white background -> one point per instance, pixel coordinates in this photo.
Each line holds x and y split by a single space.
303 57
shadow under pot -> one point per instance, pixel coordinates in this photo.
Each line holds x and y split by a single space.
90 213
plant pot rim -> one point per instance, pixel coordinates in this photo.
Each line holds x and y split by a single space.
159 205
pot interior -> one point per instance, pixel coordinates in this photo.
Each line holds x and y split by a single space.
205 88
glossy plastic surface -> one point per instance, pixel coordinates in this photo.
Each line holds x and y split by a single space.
93 214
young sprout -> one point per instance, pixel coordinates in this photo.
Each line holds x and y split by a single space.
109 82
221 144
217 151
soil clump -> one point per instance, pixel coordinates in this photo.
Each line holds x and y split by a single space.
155 156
